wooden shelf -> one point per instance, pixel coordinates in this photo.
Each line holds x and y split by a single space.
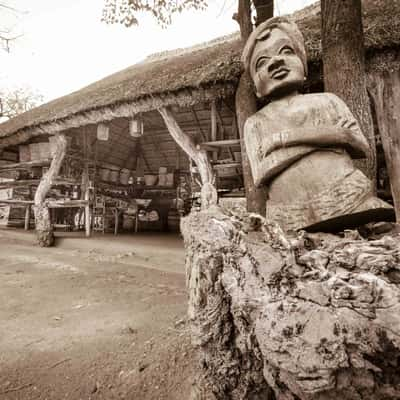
214 145
155 187
118 186
21 183
35 182
25 165
66 203
66 182
233 194
82 159
49 203
16 202
227 165
111 185
222 166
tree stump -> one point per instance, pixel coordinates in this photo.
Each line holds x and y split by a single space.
309 317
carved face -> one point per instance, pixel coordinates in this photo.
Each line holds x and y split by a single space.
275 67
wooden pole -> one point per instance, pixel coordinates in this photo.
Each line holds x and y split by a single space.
385 93
85 184
87 215
27 217
343 57
116 215
44 228
214 127
246 105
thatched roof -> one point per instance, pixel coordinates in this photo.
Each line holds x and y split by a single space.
210 67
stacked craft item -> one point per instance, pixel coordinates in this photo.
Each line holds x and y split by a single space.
165 178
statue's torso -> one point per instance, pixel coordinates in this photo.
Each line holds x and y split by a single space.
318 170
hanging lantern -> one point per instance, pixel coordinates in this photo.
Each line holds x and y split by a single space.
103 132
136 127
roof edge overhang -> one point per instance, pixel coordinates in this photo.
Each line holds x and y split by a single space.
182 98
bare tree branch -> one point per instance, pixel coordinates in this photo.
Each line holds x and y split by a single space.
7 7
17 101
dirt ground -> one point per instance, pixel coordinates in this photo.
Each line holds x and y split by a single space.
98 318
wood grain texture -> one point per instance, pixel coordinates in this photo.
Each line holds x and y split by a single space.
300 147
385 92
301 317
44 229
344 64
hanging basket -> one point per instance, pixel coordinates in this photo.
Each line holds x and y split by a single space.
103 132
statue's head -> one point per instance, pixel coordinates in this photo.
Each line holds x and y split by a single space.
275 57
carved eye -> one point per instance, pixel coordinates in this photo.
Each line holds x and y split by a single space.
261 62
286 50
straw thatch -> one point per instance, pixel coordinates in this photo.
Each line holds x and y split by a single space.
184 77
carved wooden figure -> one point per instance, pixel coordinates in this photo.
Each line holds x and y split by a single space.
302 146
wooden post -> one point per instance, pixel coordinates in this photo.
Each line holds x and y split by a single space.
27 217
85 184
116 215
44 228
199 156
343 57
214 127
246 105
87 215
385 92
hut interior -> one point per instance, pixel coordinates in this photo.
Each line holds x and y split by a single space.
129 173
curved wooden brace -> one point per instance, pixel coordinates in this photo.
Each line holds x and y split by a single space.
199 156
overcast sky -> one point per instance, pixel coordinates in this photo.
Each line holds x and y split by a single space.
65 46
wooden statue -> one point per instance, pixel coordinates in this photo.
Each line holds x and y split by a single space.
302 146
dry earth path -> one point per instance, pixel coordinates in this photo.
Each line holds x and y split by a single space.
98 318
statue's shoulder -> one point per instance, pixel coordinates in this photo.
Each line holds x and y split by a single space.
324 98
320 96
254 121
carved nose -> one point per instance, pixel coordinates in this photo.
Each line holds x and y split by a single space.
275 63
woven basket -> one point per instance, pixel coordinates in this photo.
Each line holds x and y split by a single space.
150 180
104 174
114 175
124 176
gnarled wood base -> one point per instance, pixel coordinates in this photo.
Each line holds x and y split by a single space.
45 238
307 317
44 229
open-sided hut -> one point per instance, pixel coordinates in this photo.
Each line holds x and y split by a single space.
185 101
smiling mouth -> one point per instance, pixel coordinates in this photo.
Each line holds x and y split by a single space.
280 73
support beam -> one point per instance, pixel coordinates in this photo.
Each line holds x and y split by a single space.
24 165
246 105
214 127
201 133
44 228
85 182
200 157
214 146
385 93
